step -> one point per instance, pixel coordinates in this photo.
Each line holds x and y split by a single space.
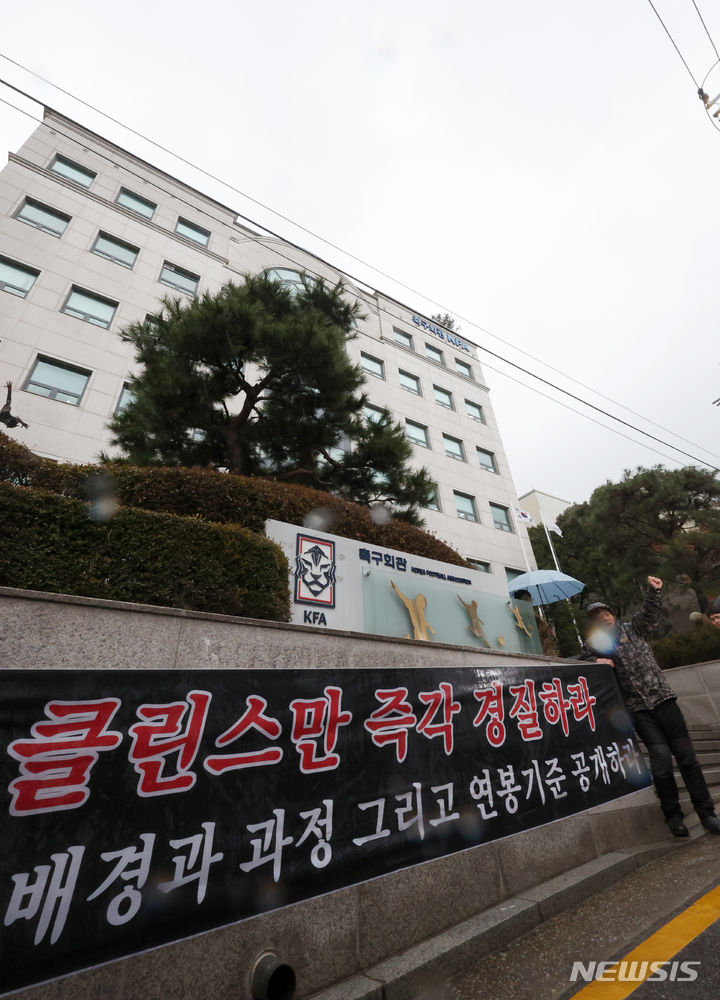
413 973
686 804
607 926
705 746
714 786
708 750
704 732
712 775
707 757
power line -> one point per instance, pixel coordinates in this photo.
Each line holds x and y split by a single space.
702 21
494 354
334 246
665 29
486 350
597 409
589 388
579 413
346 253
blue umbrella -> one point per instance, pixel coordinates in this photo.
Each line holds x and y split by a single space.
546 586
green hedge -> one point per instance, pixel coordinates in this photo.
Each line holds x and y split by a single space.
49 543
222 498
700 644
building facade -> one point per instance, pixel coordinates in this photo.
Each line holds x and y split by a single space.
543 506
93 238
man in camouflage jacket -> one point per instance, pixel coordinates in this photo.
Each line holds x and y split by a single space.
652 703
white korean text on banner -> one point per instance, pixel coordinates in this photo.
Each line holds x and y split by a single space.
144 806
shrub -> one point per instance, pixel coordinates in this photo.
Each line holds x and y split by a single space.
216 496
701 643
49 543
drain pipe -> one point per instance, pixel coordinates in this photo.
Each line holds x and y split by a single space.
272 979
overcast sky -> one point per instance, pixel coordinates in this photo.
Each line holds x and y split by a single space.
543 169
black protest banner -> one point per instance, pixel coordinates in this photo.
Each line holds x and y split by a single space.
144 806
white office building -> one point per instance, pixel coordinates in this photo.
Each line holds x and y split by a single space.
92 238
543 507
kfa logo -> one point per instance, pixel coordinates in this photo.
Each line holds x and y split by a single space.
315 576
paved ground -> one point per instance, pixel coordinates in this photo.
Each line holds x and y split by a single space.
704 950
608 927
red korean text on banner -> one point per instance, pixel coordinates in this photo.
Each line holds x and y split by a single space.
55 764
255 718
160 736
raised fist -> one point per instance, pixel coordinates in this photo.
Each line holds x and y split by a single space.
655 582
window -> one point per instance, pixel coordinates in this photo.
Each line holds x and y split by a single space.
135 203
486 459
114 249
178 277
480 566
474 411
126 397
90 307
373 366
453 448
292 280
463 368
72 171
443 397
192 232
513 574
409 382
434 354
373 414
417 433
501 517
57 380
434 501
465 506
16 278
152 320
404 339
43 217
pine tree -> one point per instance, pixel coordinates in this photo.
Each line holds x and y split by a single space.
446 321
256 379
664 522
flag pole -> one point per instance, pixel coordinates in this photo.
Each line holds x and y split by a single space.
522 546
552 547
557 567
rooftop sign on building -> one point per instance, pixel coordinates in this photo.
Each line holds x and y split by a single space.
449 338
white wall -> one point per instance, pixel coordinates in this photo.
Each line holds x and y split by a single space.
35 325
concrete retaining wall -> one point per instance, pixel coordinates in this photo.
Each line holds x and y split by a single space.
53 631
698 691
338 935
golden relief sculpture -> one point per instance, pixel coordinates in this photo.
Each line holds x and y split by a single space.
476 626
520 621
416 610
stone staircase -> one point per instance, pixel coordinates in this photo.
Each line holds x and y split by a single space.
642 838
706 739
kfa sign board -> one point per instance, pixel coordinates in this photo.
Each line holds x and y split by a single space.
346 584
449 338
